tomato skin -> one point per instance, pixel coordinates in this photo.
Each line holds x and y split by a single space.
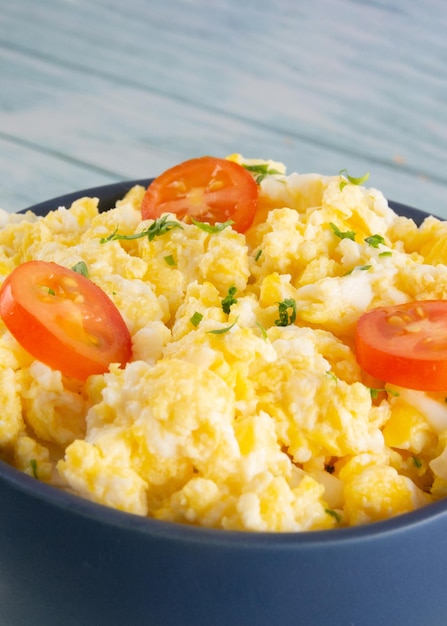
63 319
405 345
207 189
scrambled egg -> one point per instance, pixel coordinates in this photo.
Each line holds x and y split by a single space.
229 419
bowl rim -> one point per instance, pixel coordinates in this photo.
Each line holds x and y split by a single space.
109 193
79 506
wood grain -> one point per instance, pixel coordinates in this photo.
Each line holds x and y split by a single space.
95 91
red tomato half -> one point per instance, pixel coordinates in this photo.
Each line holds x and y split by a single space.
405 345
207 189
63 319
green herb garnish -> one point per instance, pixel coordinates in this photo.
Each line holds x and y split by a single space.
221 331
170 259
375 240
81 268
347 234
229 300
334 514
332 376
258 254
196 318
287 312
212 228
363 268
386 253
417 462
393 392
260 171
159 227
351 179
262 329
33 464
375 392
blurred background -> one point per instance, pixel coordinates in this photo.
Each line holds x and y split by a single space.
97 91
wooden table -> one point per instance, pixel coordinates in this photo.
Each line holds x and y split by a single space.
95 91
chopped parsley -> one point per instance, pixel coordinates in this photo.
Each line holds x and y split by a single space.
159 227
33 464
351 179
375 240
229 300
332 376
386 253
417 462
196 318
363 268
347 234
260 171
258 255
375 392
286 312
334 514
212 228
221 331
170 259
262 329
393 392
80 268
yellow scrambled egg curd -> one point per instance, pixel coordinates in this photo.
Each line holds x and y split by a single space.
243 406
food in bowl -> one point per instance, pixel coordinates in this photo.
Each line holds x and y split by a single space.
245 381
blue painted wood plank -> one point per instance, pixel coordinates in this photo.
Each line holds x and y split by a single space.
119 90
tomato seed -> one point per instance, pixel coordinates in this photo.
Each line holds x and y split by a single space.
420 312
396 320
413 328
69 284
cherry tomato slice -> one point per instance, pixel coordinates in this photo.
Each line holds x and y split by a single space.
63 319
207 189
405 345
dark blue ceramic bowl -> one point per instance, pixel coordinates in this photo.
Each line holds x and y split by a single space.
65 561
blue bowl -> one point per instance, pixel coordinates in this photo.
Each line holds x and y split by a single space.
67 561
